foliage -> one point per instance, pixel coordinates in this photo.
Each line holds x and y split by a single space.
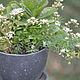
29 26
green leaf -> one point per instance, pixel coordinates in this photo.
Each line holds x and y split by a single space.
12 5
47 12
42 5
3 44
29 4
35 6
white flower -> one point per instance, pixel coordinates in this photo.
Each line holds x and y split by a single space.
66 24
69 22
66 37
34 21
61 0
68 55
44 43
33 18
73 35
57 4
77 45
32 46
62 7
67 50
57 23
64 50
2 17
77 23
1 37
78 34
2 7
29 21
56 14
10 34
60 4
43 21
74 20
16 11
62 55
69 62
67 29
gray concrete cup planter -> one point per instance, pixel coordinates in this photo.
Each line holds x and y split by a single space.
22 66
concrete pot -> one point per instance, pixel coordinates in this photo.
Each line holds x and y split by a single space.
22 67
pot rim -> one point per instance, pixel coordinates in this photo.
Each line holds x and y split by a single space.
7 54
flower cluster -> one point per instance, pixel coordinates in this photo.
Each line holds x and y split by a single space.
17 11
2 17
78 34
10 34
56 14
2 7
64 50
77 45
72 21
57 23
27 30
34 21
66 29
58 4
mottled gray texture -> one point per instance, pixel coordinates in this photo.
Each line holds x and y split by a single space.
22 67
